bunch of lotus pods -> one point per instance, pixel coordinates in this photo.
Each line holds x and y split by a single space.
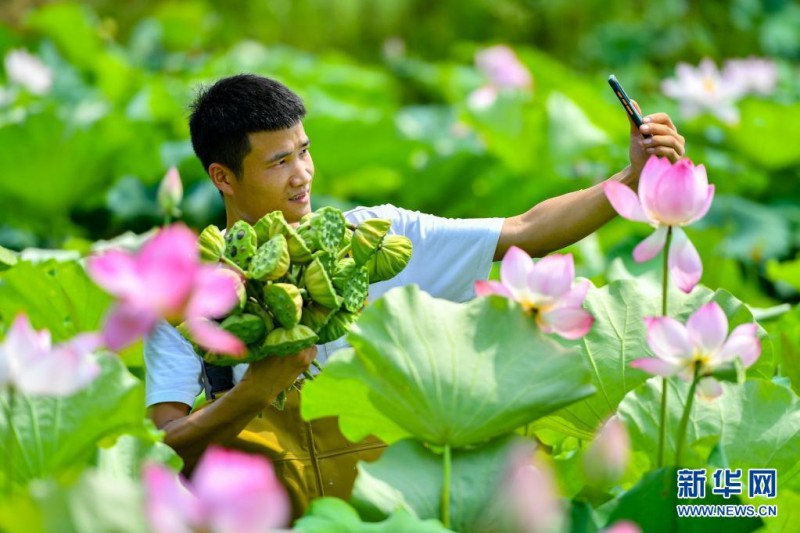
301 286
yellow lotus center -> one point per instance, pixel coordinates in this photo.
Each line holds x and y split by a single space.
709 85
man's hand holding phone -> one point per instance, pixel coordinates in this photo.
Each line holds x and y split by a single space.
650 135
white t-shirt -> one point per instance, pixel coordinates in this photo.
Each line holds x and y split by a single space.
449 256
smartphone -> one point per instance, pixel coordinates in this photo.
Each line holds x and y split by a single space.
625 101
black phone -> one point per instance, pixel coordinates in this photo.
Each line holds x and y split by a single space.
625 101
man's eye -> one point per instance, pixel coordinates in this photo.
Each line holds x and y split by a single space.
304 151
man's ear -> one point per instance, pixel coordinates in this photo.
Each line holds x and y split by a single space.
221 177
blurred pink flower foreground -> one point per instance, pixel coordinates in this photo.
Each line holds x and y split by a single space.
702 342
230 492
503 70
669 196
609 453
30 365
165 280
546 289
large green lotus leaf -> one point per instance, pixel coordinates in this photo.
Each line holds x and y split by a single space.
761 134
618 336
332 515
409 476
786 333
788 518
54 436
756 425
787 271
459 374
55 295
358 418
652 505
130 452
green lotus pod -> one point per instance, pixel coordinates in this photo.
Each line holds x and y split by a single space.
271 260
249 328
319 286
241 243
347 238
211 244
316 316
284 302
337 326
368 237
390 259
323 229
255 308
328 261
344 269
288 341
355 289
268 226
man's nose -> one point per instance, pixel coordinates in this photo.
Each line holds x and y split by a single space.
302 173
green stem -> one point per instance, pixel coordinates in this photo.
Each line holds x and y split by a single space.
662 434
446 487
167 220
9 410
234 266
685 418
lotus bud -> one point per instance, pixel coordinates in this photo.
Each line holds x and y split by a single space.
607 458
271 260
211 243
288 341
319 286
285 303
338 325
170 193
249 328
241 244
390 259
368 237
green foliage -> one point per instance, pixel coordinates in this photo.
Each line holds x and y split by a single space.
332 515
455 374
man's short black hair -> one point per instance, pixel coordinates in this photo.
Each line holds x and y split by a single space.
224 114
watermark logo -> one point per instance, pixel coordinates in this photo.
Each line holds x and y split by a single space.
727 482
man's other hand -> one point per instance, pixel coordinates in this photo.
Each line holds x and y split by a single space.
664 141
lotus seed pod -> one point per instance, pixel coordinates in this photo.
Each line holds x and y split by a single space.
284 302
337 326
356 288
319 286
390 259
368 237
347 238
328 224
315 316
288 341
344 269
271 260
328 261
211 244
249 328
241 244
255 308
309 236
268 226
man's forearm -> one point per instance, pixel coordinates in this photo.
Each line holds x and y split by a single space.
560 221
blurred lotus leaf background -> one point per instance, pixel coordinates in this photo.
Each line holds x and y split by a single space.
462 109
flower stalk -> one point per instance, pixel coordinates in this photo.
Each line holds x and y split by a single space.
685 418
445 504
662 435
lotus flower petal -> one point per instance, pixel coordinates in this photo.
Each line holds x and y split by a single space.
213 338
552 275
514 270
125 324
569 322
708 328
684 261
709 388
116 272
669 339
214 293
167 265
652 172
486 288
656 366
676 195
169 506
743 343
624 201
61 372
651 246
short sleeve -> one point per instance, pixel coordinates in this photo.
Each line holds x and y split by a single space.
172 369
449 254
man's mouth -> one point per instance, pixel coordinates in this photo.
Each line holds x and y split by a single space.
299 197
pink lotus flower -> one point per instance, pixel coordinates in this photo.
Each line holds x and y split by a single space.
530 492
165 280
546 289
27 70
230 491
503 69
705 89
29 364
608 455
703 343
754 75
170 193
623 526
669 196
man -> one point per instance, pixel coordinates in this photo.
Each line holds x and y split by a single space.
248 133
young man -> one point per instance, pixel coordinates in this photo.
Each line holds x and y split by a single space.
248 133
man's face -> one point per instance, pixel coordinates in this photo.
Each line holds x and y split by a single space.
276 175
